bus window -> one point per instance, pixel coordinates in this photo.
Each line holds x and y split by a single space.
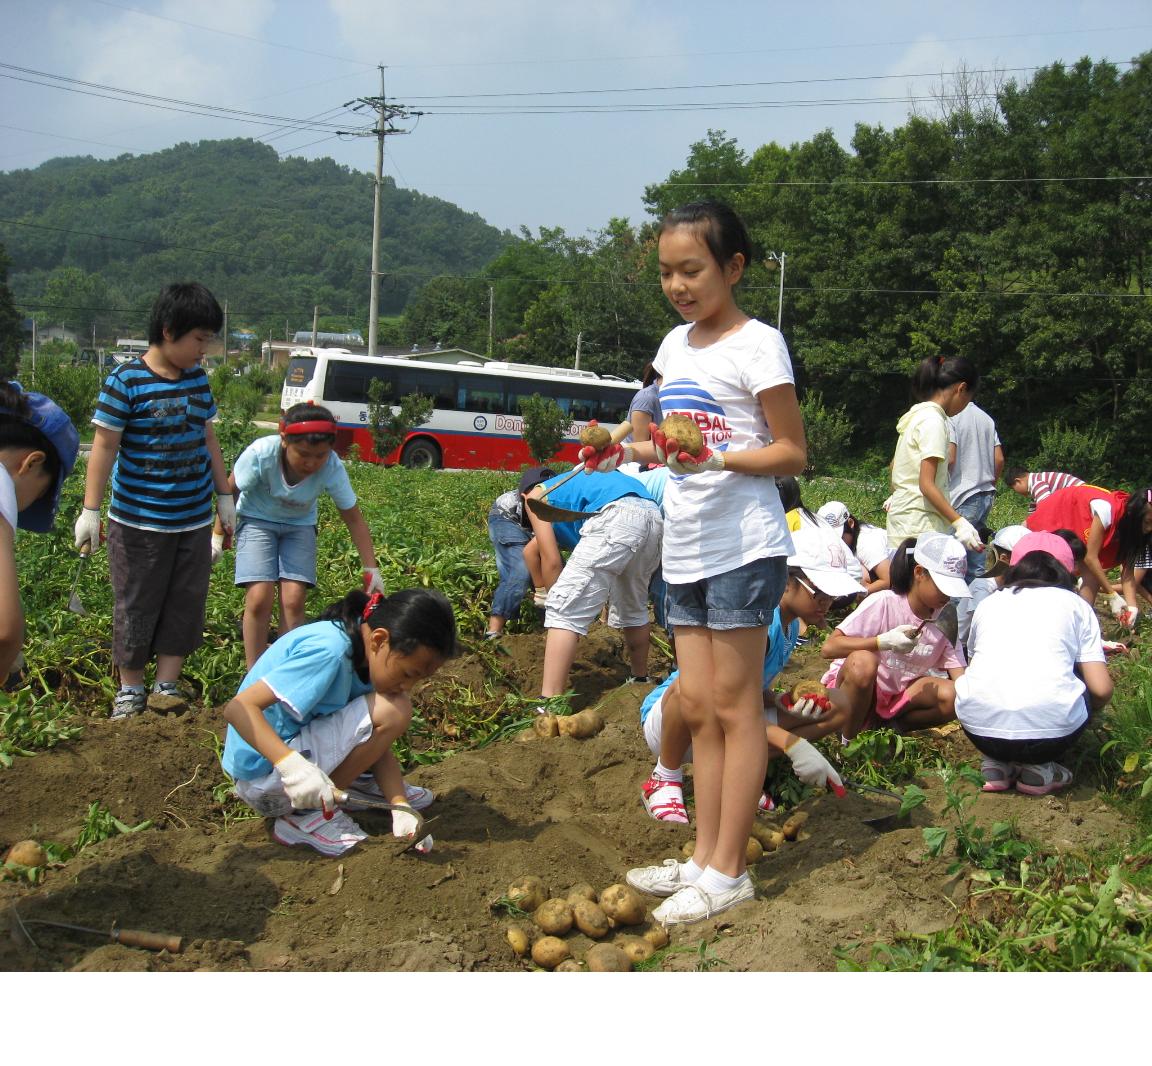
440 385
300 371
485 395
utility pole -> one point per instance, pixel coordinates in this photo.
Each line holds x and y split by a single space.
780 257
225 332
315 315
579 339
491 308
386 114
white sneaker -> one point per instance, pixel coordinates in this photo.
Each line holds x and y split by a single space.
329 836
418 798
662 880
693 904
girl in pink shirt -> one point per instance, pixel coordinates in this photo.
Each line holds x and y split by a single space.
886 657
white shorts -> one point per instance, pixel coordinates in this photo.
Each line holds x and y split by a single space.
655 720
327 741
618 551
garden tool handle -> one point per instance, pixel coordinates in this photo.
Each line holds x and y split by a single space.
618 434
137 938
85 550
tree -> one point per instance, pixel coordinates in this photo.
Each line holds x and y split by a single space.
390 425
9 324
544 426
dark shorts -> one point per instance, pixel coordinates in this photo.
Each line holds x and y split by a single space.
743 598
160 588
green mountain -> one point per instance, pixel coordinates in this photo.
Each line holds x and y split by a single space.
272 236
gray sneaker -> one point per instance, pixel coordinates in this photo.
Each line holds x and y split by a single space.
693 904
662 880
166 697
129 703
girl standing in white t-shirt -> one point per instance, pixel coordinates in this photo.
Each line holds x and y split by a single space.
726 541
1022 720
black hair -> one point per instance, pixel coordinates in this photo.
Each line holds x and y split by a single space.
902 569
1012 474
181 308
17 432
936 373
1131 540
414 618
717 225
1038 570
1079 548
789 489
852 528
309 412
648 375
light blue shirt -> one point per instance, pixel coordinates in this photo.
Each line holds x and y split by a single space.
310 670
266 495
781 645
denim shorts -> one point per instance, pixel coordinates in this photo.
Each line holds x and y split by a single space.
743 598
271 551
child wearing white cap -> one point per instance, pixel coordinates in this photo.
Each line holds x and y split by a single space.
887 653
868 543
817 574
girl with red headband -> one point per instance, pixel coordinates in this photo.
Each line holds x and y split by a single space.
279 481
323 706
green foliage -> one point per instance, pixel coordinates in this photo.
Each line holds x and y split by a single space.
9 324
828 431
1075 450
545 424
1126 728
74 388
30 723
390 425
883 758
100 824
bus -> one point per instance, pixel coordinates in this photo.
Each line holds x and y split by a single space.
476 421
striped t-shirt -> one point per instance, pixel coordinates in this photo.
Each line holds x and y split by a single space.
162 479
1041 485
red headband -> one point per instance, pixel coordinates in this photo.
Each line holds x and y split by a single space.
296 428
371 605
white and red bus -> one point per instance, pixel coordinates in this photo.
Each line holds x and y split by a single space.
476 421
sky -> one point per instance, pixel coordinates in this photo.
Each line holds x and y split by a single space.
536 113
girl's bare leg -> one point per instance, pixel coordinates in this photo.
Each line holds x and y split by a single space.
257 614
857 680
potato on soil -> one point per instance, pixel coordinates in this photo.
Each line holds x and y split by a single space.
590 919
607 958
791 828
595 436
656 935
527 893
580 891
684 431
549 952
753 851
569 966
635 947
519 939
554 916
808 688
26 853
545 725
769 836
688 849
585 724
622 904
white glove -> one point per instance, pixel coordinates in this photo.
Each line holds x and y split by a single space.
680 462
603 462
966 534
373 582
1116 604
88 529
217 547
404 825
305 784
810 766
226 509
901 639
1128 617
539 597
812 708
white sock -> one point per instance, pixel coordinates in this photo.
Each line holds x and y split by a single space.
662 773
714 881
690 873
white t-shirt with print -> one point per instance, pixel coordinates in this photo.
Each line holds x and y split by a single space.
719 520
872 546
8 499
1024 645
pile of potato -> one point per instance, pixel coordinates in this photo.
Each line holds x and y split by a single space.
765 838
580 726
600 917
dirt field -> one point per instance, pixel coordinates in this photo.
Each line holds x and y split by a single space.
566 810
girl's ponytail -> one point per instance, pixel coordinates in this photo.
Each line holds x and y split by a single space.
902 569
935 373
1131 540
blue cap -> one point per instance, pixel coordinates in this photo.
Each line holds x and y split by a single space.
49 419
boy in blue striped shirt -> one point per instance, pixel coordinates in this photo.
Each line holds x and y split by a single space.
154 438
